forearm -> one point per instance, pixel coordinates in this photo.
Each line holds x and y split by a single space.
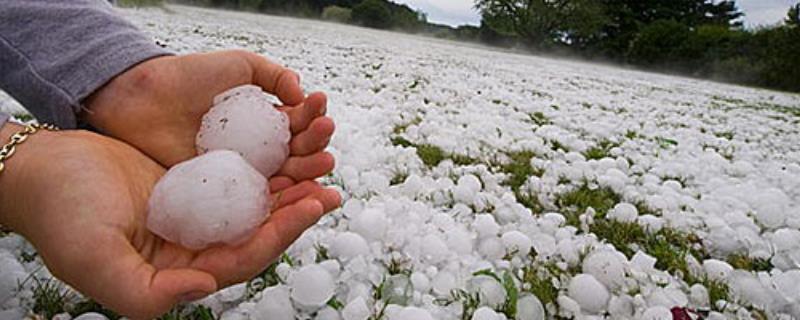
55 53
8 187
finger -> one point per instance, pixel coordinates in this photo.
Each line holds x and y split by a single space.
308 167
294 193
126 283
302 115
274 78
329 198
284 226
279 183
316 138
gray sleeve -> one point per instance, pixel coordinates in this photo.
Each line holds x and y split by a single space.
3 119
55 53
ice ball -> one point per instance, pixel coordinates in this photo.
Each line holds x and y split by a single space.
589 293
212 199
244 120
312 286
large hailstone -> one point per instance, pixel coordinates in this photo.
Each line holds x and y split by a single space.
215 198
244 120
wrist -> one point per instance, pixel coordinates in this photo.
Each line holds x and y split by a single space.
18 174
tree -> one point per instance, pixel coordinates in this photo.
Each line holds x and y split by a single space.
337 13
542 23
373 14
793 17
659 43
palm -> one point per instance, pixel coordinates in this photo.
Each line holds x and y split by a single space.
158 106
93 235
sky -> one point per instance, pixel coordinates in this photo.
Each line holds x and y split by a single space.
458 12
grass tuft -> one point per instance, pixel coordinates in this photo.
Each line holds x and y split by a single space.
602 199
600 151
742 261
432 155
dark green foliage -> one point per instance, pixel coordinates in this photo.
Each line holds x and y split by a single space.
49 297
658 42
793 16
373 14
337 14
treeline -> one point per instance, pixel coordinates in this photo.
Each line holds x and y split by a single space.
702 38
381 14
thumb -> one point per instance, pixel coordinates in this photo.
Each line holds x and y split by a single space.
131 286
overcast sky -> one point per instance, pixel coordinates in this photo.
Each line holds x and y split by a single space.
458 12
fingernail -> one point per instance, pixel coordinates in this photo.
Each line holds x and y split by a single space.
193 296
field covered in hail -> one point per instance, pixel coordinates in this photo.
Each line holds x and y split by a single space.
487 185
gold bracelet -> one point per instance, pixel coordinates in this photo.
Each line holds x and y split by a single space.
18 138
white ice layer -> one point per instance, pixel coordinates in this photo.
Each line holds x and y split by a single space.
244 120
213 199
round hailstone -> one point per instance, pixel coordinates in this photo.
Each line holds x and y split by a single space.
607 267
485 313
212 199
412 313
348 245
589 293
356 310
518 242
624 212
370 223
529 308
657 313
244 120
275 303
489 289
91 316
312 286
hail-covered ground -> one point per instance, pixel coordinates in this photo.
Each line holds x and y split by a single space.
486 185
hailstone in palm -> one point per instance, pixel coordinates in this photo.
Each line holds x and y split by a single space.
244 120
212 199
222 196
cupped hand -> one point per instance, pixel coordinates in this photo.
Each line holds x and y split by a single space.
81 200
157 106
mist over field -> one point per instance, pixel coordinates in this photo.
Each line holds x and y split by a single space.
485 184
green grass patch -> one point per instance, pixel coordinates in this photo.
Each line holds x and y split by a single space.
742 261
398 178
24 117
602 199
401 128
539 119
600 151
432 155
540 284
50 297
724 135
519 170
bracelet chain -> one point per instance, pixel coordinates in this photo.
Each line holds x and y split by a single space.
18 138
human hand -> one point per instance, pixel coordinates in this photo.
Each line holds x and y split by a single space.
81 200
157 106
